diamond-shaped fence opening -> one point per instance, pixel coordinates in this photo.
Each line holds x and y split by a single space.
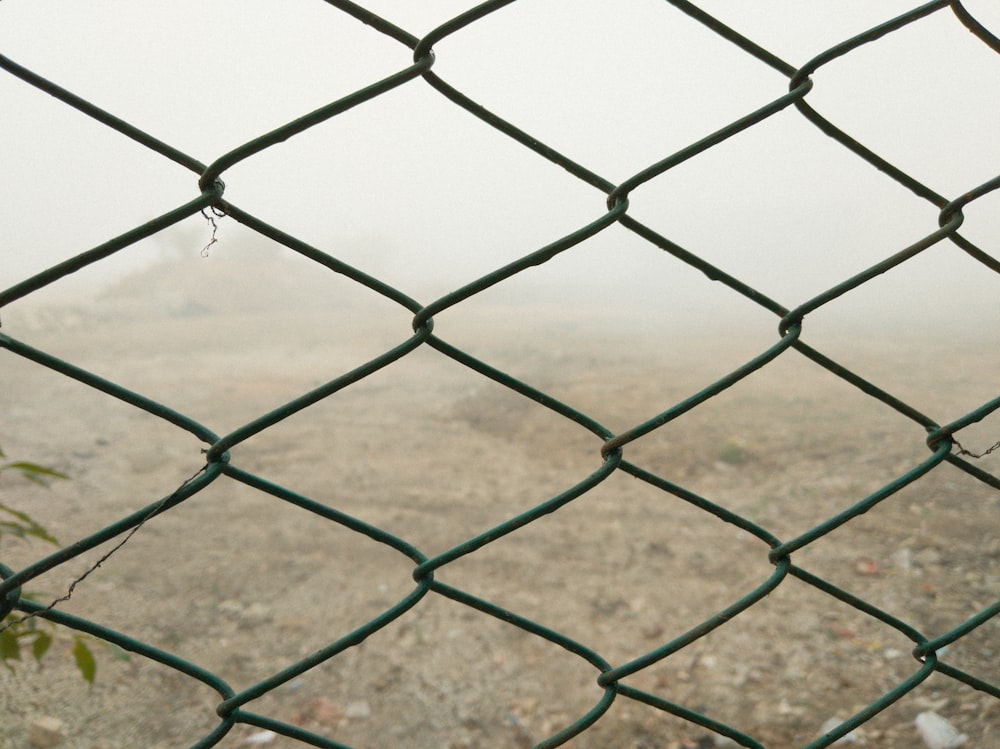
511 375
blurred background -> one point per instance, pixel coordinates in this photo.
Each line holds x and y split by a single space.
419 192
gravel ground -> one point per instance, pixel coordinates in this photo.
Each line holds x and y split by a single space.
243 584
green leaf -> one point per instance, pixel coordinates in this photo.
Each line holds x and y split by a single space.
43 641
85 661
117 651
12 529
26 467
22 516
26 525
39 532
34 472
9 649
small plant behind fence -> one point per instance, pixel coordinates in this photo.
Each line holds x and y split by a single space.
613 682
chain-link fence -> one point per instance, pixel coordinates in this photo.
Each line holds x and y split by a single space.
632 680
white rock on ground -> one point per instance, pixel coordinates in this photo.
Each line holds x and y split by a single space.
261 737
937 732
358 710
848 738
45 731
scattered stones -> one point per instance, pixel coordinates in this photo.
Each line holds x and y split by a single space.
230 608
321 710
826 658
260 738
927 557
937 732
255 614
45 731
245 616
358 710
851 737
867 567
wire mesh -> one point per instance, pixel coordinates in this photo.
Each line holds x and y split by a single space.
612 681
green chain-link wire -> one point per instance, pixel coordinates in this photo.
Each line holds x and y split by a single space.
611 455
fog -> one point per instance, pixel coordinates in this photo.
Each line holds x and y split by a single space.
207 328
413 189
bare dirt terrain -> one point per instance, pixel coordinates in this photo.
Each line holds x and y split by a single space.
243 584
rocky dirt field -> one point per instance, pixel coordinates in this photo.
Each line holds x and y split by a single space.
244 584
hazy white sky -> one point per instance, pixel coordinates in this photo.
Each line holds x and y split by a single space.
414 188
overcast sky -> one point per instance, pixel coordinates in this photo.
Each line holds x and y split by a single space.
414 188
